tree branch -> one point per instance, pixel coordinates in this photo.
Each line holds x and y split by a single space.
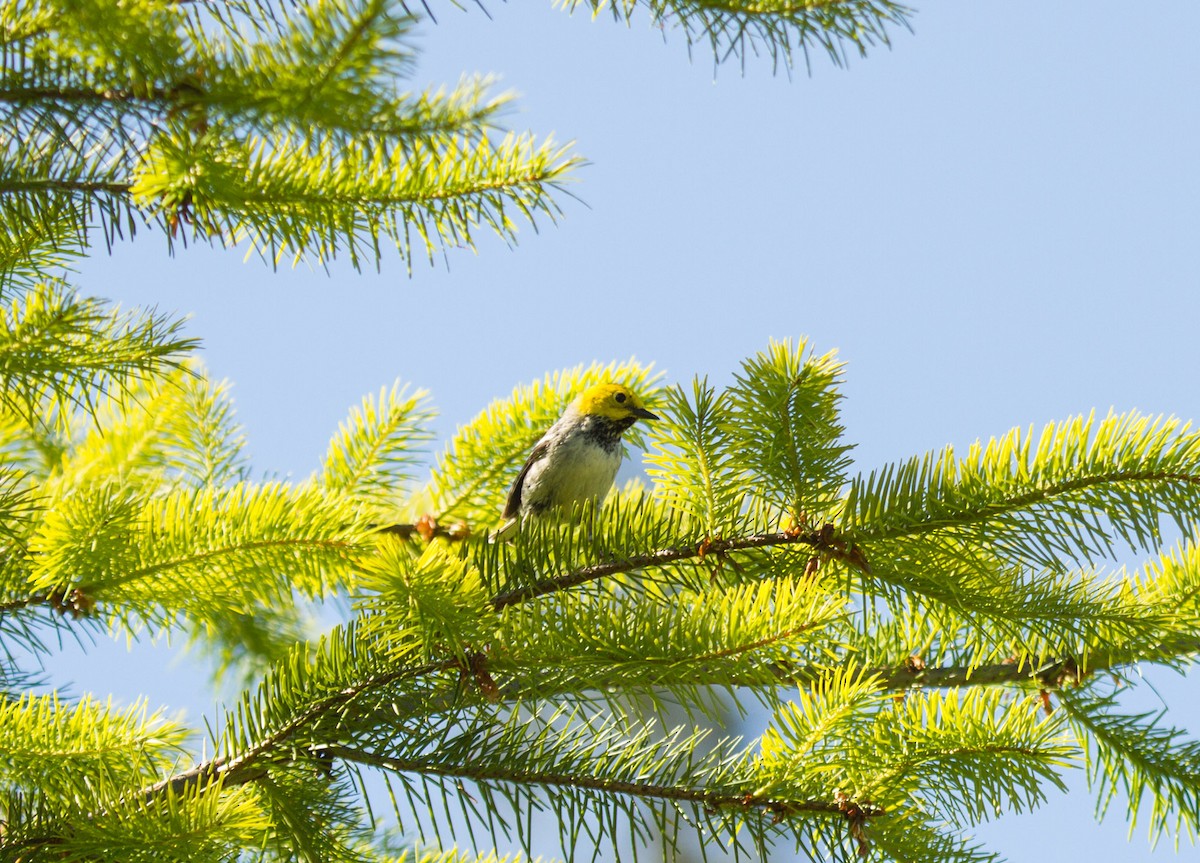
279 748
822 540
704 797
56 184
1048 673
250 767
992 509
25 602
151 96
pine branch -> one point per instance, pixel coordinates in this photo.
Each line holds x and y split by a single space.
76 349
646 790
1075 493
823 541
692 463
778 28
277 749
36 242
373 456
1142 757
45 186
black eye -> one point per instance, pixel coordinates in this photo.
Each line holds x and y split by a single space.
620 397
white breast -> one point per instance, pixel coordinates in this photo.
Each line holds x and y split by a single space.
573 471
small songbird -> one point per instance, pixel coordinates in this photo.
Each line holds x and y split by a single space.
577 459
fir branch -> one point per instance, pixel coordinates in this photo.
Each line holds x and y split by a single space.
174 429
328 196
692 463
359 49
1142 757
965 754
718 637
124 115
822 540
77 349
427 528
1044 494
66 752
75 604
740 801
1046 673
194 827
355 36
36 242
988 609
47 186
277 748
914 674
298 740
1085 487
377 447
778 28
210 557
201 553
514 751
784 422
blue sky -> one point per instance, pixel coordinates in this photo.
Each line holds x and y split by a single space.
996 222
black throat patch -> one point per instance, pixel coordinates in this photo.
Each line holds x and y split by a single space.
606 432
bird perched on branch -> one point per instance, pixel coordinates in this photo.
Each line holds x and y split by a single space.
577 459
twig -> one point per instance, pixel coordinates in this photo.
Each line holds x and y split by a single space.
822 539
702 796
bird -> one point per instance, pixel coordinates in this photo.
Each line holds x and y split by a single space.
576 460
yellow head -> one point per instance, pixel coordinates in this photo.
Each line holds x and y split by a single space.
612 401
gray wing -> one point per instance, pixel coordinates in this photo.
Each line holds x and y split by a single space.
513 506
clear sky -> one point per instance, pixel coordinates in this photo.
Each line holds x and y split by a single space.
996 222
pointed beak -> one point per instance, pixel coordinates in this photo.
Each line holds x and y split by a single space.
643 414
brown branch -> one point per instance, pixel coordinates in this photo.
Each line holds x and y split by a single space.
911 675
754 645
282 747
704 797
23 603
427 528
822 539
156 96
74 602
278 748
56 184
252 764
1048 672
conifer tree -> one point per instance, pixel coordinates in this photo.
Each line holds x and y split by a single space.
936 641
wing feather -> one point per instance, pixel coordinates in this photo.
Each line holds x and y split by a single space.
513 506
